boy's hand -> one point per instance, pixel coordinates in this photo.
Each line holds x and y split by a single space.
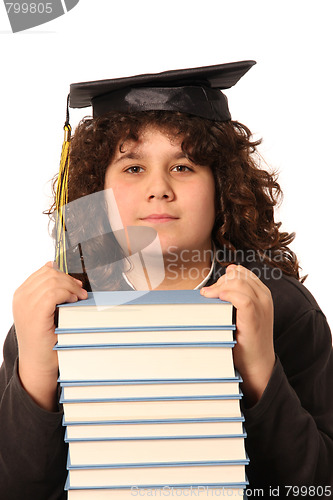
254 355
34 304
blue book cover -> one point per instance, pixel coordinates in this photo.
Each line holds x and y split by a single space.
78 383
237 378
150 486
244 461
132 297
145 362
155 398
227 345
147 450
164 438
193 436
154 421
131 309
155 328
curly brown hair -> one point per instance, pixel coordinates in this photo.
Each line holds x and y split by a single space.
246 194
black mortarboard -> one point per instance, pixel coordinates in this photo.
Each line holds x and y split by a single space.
196 91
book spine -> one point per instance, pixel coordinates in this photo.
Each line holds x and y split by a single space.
156 421
227 345
200 486
237 378
162 398
153 438
145 329
70 466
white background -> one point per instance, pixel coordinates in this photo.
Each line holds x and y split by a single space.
286 99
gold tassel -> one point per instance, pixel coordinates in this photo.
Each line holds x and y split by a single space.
62 200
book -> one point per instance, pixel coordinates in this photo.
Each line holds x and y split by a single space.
203 474
145 362
146 451
171 428
94 336
165 491
155 309
108 411
90 391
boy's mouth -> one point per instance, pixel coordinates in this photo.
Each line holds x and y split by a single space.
159 218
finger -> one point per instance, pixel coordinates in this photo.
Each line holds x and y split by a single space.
232 287
249 277
247 274
31 280
238 276
240 271
54 265
62 281
41 283
232 271
216 284
51 269
240 300
49 297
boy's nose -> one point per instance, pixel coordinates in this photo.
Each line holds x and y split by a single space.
160 188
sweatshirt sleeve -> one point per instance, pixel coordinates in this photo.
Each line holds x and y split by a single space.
290 430
32 449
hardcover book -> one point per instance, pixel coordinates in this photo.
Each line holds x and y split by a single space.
171 428
113 411
230 491
159 451
185 475
145 362
175 308
91 391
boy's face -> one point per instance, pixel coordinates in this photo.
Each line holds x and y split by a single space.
155 185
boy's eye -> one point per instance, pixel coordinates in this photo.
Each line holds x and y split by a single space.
182 168
134 170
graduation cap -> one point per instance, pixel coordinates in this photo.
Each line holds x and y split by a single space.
196 91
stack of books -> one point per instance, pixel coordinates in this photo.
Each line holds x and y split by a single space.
150 395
